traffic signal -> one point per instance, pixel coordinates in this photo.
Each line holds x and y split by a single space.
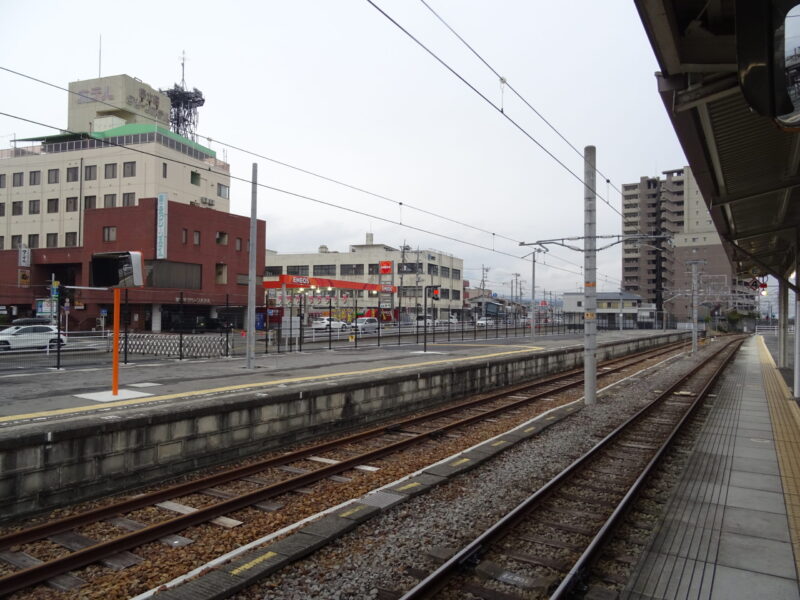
435 293
116 269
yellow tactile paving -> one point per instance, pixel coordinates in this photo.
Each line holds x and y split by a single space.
785 415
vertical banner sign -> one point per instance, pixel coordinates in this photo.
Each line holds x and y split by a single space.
161 227
24 257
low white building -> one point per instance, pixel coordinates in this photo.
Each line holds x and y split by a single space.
410 270
615 310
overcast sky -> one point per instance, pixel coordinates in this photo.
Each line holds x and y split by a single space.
335 88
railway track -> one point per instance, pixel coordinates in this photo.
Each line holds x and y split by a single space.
550 543
257 485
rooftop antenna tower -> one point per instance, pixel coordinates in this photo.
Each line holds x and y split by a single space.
183 115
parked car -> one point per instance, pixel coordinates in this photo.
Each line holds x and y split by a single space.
328 323
422 321
366 324
451 320
484 322
21 337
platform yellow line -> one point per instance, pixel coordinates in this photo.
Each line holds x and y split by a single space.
785 417
254 385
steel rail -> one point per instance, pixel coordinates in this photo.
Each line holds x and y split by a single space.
46 570
578 572
470 553
54 527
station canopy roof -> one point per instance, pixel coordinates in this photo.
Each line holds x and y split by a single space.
746 165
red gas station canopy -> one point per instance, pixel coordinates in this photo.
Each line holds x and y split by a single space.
302 281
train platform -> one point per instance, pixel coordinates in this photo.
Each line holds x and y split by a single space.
732 526
49 394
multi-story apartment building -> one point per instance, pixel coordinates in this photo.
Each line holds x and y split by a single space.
410 270
660 271
117 149
652 206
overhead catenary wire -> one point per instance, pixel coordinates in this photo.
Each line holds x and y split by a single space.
504 83
481 95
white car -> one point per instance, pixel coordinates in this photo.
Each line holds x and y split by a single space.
366 324
423 321
485 322
328 323
21 337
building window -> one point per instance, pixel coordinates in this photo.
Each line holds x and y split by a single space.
17 179
445 293
2 209
111 171
16 208
297 270
72 204
163 170
433 269
72 174
350 270
2 242
406 268
109 201
52 205
184 236
90 172
223 191
71 239
194 178
129 169
221 274
456 294
238 244
273 271
109 234
52 176
324 270
445 271
196 238
16 241
580 303
35 178
2 180
33 240
52 240
221 238
129 199
456 273
33 207
374 269
89 202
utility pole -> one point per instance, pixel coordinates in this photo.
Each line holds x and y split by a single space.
695 285
251 274
590 277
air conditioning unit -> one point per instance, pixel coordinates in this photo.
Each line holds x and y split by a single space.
203 200
211 202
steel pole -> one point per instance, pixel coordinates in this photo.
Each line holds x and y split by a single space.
796 357
590 277
694 307
251 273
783 324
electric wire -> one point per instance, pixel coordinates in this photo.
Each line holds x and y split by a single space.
294 194
516 93
492 104
287 165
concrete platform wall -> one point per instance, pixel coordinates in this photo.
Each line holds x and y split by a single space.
51 464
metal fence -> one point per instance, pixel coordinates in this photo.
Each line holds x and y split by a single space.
94 348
